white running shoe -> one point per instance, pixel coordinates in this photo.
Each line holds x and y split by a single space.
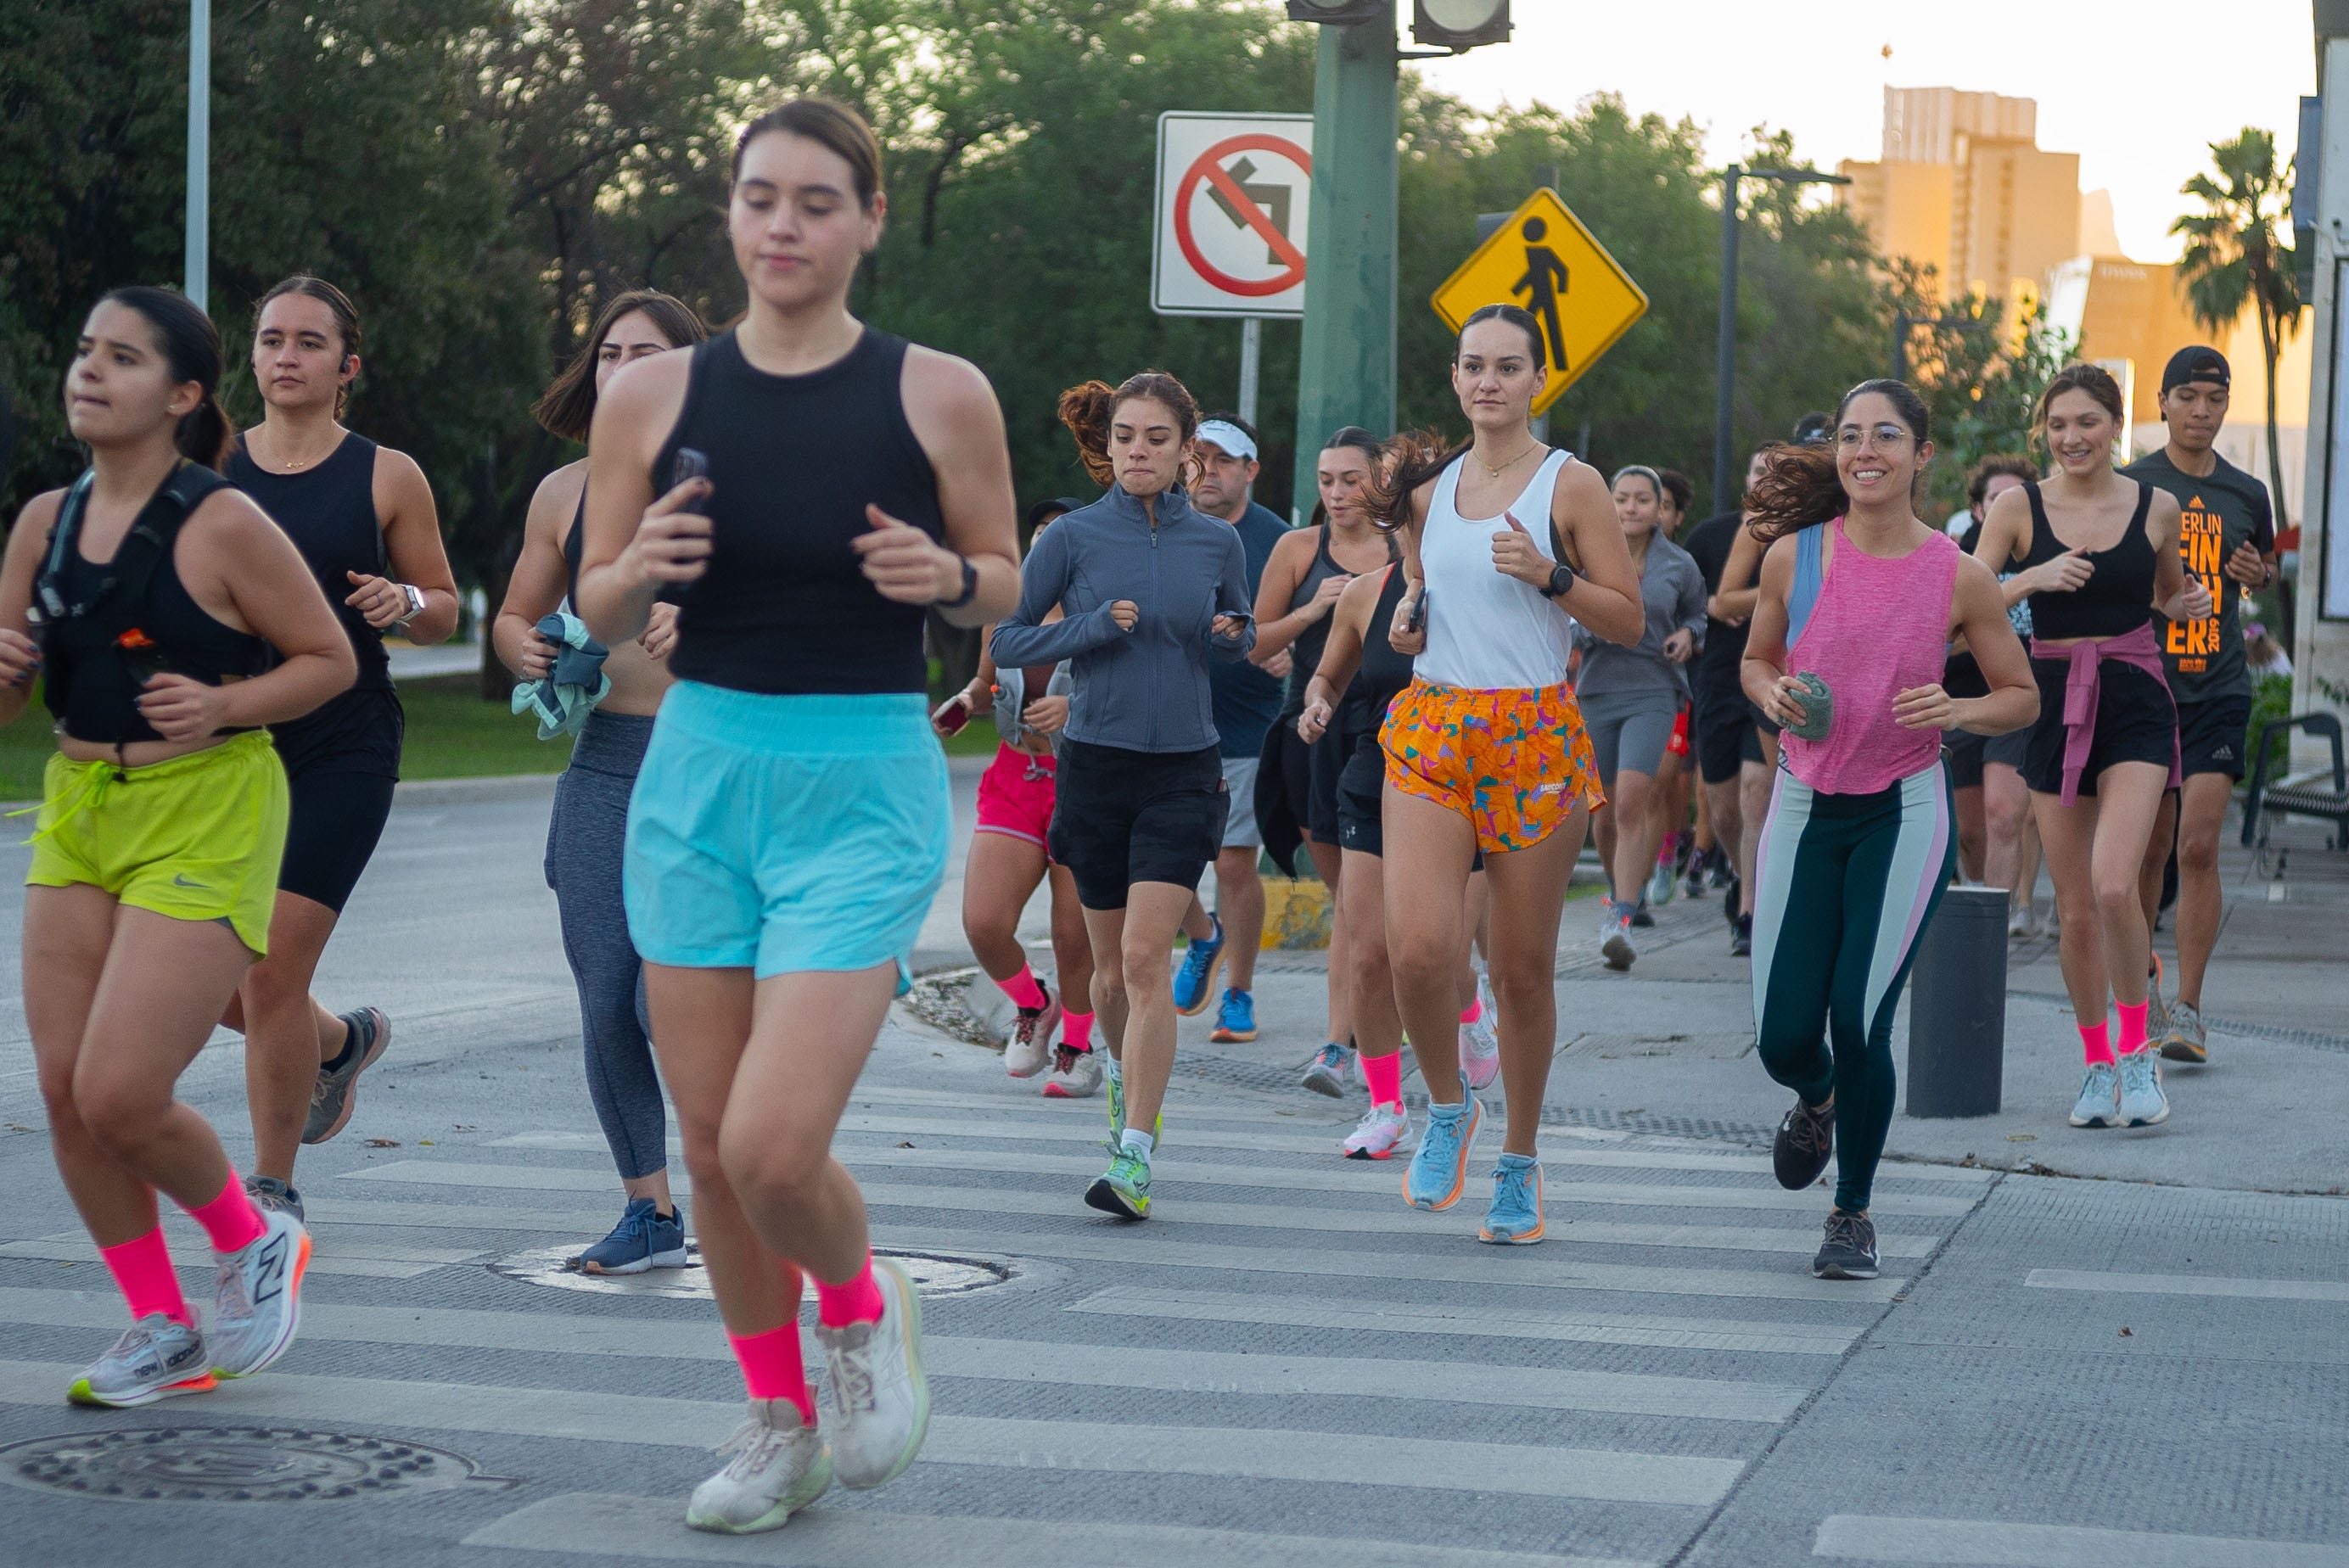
158 1357
258 1304
1028 1046
780 1465
2100 1098
1615 944
880 1400
1479 1049
1484 993
2022 920
1075 1075
1382 1132
2142 1102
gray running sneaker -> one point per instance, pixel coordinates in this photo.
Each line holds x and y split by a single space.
158 1357
272 1196
778 1466
1331 1071
879 1398
2186 1039
2099 1104
1850 1251
259 1302
335 1094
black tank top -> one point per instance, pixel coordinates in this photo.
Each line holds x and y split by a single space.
329 513
1305 654
793 461
574 551
92 676
2118 597
1384 672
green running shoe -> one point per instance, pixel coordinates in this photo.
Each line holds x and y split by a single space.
1117 1116
1124 1188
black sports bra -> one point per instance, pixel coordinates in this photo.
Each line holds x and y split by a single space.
2118 597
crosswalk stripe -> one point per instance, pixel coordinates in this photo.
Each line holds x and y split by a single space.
1985 1544
1391 1219
1453 1321
1100 1447
595 1524
1006 1360
2237 1286
360 1260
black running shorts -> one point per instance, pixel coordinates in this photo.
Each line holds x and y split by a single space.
1123 817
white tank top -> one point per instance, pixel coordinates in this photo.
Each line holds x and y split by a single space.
1487 631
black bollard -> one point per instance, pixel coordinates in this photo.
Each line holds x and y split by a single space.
1957 1006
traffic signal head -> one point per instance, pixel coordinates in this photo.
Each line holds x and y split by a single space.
1457 24
1342 12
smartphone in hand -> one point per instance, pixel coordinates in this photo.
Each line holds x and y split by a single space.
690 464
1418 622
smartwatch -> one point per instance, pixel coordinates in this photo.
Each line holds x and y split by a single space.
414 603
1561 578
969 587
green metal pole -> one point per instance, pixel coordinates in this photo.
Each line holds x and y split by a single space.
1346 366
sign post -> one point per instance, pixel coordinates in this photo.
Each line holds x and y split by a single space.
1542 259
196 280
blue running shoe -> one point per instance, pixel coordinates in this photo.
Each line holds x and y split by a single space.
1515 1217
1235 1018
1195 983
643 1240
1440 1170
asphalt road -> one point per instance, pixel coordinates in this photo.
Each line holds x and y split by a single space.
1285 1365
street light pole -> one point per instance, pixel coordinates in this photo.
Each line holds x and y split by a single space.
196 279
1724 386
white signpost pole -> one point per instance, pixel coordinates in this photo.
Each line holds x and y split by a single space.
1251 362
197 275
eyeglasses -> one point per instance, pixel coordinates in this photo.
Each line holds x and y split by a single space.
1850 438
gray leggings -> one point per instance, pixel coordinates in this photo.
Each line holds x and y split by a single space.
1628 729
584 850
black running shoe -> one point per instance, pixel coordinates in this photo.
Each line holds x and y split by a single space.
1805 1143
1730 897
1640 918
1741 936
1850 1251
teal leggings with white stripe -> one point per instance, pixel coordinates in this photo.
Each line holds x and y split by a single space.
1845 884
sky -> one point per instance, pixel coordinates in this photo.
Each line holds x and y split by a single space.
2138 88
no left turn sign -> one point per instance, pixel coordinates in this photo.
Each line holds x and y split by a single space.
1234 190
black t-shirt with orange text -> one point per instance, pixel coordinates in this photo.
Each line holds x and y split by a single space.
2225 509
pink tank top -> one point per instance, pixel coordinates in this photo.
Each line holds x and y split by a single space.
1877 627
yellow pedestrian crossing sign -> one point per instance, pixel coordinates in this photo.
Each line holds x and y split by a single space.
1545 260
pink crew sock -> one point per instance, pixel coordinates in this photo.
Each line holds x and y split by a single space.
2095 1041
231 1222
1077 1030
1382 1076
1022 988
2132 1026
771 1368
1668 851
857 1301
142 1268
1474 1011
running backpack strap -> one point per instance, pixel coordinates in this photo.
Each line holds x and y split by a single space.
48 587
149 544
1803 596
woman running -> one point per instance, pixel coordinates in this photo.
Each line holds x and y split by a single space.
1632 697
1859 601
157 593
2096 553
806 487
362 516
1507 544
1309 569
1009 859
1149 587
590 820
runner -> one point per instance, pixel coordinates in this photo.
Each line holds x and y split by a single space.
1631 698
362 516
2227 541
1731 761
590 821
1859 601
2010 836
1308 572
791 822
1141 804
1247 699
1486 749
1007 859
2098 552
1676 846
157 593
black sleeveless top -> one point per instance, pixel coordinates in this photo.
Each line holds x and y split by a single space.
1382 674
794 460
1305 654
92 677
329 513
574 551
2118 597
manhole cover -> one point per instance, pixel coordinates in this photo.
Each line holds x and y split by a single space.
228 1464
933 1274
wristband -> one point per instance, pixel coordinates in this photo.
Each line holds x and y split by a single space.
970 587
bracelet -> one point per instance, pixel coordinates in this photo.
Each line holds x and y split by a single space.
970 587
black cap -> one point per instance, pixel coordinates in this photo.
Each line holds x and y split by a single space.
2194 364
1044 511
1811 429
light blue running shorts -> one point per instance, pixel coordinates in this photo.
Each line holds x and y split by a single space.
785 834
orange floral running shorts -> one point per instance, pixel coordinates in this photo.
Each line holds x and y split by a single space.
1516 763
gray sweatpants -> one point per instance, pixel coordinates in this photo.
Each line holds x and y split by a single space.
584 845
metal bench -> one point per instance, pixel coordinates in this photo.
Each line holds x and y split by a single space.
2300 797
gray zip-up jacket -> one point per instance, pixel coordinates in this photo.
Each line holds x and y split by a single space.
1672 591
1146 689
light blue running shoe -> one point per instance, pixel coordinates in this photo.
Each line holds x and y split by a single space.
1195 983
1438 1170
1516 1217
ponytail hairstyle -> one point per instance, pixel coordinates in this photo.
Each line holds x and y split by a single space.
2094 380
1087 410
190 346
337 304
829 123
1799 487
1360 440
1680 486
1419 455
567 408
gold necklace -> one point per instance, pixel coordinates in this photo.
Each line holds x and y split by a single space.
1492 472
293 465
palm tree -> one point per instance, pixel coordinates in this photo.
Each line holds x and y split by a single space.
2234 259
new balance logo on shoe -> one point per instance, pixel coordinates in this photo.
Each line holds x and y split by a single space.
269 1270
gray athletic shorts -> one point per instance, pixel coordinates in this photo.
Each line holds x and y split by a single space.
1239 783
1628 729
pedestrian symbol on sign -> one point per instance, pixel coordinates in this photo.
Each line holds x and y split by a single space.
1544 281
1528 261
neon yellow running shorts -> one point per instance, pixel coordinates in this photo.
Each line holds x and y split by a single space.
196 838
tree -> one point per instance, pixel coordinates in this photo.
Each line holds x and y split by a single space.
2235 261
1979 364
